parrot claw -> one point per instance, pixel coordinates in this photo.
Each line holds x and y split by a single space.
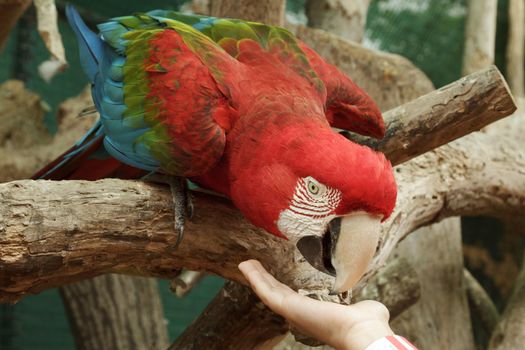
182 200
182 205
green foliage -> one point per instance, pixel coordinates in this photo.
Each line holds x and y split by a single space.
427 32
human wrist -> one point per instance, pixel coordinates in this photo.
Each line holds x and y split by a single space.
363 334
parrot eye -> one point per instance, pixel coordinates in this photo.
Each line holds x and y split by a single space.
313 187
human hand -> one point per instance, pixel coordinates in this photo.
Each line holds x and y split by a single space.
343 327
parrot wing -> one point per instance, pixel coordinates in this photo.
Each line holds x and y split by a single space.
160 107
342 96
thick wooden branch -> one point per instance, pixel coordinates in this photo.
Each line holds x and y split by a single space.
52 233
443 115
123 226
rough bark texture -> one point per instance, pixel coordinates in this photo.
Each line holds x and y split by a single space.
345 18
480 35
516 47
116 312
440 320
396 285
83 235
91 229
457 109
269 11
509 333
10 12
390 80
206 332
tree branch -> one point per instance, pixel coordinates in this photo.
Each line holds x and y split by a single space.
483 305
124 226
448 113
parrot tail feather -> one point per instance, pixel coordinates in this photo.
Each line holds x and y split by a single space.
88 160
91 46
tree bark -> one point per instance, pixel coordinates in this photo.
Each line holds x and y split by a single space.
457 109
92 228
396 285
481 302
268 12
116 312
509 333
235 309
440 320
10 12
516 46
480 35
345 18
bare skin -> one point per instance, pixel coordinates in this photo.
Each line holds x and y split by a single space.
351 327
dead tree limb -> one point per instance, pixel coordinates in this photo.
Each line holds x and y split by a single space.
92 229
509 333
483 305
458 109
238 300
126 227
515 53
396 285
480 35
441 318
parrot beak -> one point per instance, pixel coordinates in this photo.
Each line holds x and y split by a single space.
345 249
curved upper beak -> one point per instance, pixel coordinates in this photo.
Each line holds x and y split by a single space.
345 249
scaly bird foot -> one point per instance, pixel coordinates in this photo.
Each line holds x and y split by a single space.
182 201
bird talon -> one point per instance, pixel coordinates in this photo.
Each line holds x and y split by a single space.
180 235
189 205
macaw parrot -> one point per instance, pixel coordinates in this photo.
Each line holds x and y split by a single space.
243 109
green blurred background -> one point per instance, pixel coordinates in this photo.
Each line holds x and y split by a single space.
428 32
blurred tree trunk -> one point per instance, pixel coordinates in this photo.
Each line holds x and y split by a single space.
516 46
345 18
10 12
116 312
107 312
268 11
510 331
480 35
440 320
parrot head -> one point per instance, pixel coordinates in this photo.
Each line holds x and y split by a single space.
323 193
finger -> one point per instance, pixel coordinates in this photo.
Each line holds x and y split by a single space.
270 290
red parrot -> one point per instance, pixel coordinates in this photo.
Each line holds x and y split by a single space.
243 109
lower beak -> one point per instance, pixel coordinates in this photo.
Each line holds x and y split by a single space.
345 249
